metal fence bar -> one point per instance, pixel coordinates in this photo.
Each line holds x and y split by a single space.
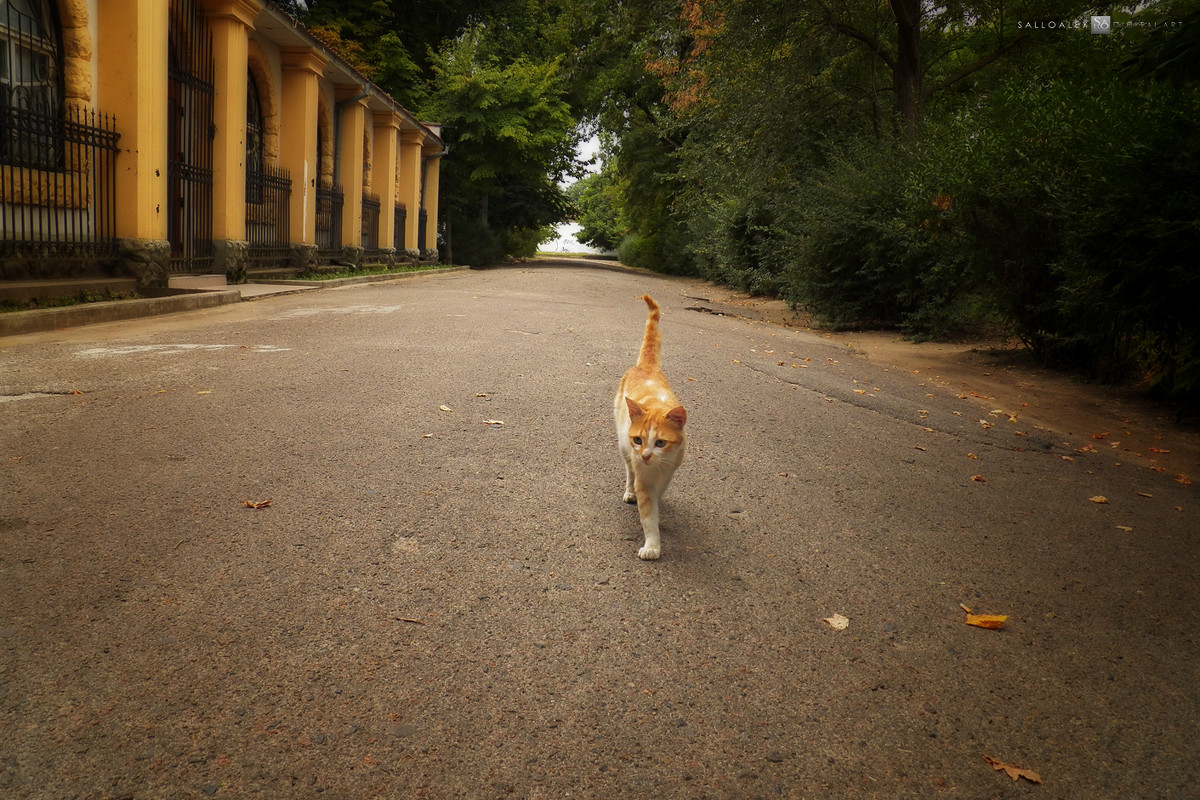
370 222
189 121
64 205
401 224
329 222
268 213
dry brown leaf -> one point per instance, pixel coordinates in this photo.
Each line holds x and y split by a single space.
990 621
1013 770
1145 494
1099 499
1104 435
837 622
1184 479
979 479
256 503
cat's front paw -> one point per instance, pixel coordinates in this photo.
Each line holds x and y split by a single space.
630 497
648 553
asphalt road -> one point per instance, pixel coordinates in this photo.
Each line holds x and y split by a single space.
434 606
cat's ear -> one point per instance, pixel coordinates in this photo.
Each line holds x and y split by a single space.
635 410
678 415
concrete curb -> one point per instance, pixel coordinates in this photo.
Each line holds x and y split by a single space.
40 320
49 319
334 283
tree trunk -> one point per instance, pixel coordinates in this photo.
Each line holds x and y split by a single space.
906 71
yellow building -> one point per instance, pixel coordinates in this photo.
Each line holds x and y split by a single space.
156 138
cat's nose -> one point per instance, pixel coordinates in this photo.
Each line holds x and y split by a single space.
646 456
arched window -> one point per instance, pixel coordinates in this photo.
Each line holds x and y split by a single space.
30 83
254 142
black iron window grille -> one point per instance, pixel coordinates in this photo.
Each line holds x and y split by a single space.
30 85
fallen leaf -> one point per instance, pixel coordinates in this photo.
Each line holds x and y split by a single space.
1013 770
1184 479
1145 494
427 436
1066 458
1104 435
837 622
990 621
860 391
446 408
1099 499
1125 528
918 447
206 391
481 394
1160 452
979 479
256 503
495 423
972 455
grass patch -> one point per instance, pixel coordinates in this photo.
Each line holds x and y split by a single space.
354 272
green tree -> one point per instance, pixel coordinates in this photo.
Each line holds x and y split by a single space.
511 137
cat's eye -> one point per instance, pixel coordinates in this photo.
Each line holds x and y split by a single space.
637 440
659 443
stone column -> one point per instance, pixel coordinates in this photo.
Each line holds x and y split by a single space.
231 22
302 70
383 178
131 61
410 186
429 197
349 158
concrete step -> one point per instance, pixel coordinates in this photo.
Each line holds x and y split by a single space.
24 291
197 282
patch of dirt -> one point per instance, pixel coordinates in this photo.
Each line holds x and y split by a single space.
999 375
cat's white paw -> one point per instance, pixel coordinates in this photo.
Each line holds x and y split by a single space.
630 497
648 553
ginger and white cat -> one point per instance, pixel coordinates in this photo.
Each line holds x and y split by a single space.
649 432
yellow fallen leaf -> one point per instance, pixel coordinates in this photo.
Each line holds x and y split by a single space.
445 408
256 503
206 391
979 479
1013 770
1099 499
495 423
991 621
1125 528
837 622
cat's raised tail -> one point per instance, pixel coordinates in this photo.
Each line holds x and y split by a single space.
652 341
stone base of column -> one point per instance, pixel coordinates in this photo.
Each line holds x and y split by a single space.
352 254
304 256
231 256
146 260
387 256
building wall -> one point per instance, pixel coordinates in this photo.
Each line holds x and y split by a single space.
114 58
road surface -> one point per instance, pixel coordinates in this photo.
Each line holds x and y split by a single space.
435 605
